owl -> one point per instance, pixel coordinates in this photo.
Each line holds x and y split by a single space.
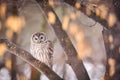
41 48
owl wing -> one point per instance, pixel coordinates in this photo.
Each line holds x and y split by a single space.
50 52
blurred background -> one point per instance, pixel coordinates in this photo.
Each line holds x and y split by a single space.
19 21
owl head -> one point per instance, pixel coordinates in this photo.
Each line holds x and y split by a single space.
39 37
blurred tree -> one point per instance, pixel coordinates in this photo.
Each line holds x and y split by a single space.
64 39
9 14
104 12
110 32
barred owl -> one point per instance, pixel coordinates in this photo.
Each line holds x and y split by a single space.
41 48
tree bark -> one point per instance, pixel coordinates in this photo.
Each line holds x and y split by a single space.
27 57
65 41
83 9
112 48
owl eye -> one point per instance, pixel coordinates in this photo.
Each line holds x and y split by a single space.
35 39
42 38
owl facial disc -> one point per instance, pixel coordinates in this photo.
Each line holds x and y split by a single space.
39 37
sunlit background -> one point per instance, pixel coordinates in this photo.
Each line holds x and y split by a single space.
85 33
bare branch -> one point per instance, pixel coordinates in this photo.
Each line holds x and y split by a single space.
65 41
27 57
83 9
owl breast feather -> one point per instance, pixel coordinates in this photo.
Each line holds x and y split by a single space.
40 52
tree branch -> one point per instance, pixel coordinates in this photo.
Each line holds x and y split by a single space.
65 41
27 57
112 48
83 9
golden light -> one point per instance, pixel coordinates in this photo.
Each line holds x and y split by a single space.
90 8
3 8
111 19
51 17
65 22
79 36
8 63
77 5
73 29
111 62
21 77
51 2
97 11
15 23
83 49
110 38
73 16
103 11
2 49
9 34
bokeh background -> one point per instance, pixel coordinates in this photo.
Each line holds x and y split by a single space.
84 32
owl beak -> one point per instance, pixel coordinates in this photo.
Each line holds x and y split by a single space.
39 41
